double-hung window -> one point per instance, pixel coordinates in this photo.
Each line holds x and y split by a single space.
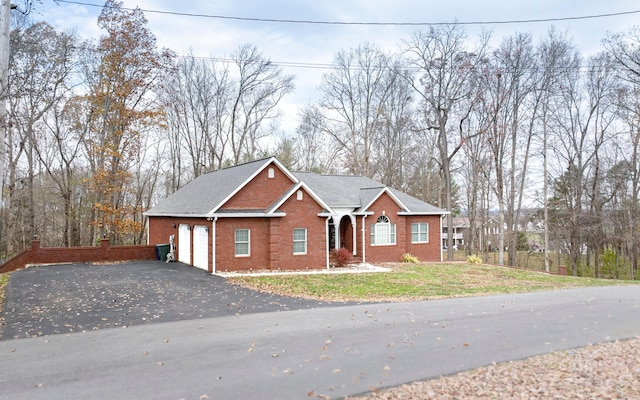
420 232
300 241
383 232
243 243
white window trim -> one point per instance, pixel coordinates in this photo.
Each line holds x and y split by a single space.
419 232
235 242
299 241
392 233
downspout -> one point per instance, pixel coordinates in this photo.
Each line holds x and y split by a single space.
441 256
326 234
213 245
364 251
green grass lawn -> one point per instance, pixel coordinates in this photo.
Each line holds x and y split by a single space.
417 281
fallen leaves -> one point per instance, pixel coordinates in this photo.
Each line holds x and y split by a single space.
603 371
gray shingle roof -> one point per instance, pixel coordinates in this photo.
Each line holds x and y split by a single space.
207 192
200 196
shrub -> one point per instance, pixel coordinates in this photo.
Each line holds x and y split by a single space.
474 259
408 258
340 257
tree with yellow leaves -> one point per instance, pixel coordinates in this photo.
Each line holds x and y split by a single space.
121 75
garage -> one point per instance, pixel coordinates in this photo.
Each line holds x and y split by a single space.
201 247
184 244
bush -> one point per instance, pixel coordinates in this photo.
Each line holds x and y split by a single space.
408 258
340 257
474 259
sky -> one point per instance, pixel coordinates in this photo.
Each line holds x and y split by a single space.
317 44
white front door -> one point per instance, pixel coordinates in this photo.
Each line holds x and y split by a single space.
201 247
184 244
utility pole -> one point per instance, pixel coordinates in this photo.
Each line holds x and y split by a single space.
5 23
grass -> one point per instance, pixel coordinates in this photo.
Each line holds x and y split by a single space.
417 282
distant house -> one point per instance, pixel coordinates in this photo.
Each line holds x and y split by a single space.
261 216
460 232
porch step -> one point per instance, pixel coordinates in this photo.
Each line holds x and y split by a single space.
356 260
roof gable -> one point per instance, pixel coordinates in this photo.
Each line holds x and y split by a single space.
208 192
371 195
260 190
287 195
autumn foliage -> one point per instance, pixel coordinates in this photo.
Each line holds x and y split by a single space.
127 68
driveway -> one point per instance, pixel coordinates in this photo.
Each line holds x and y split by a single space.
62 299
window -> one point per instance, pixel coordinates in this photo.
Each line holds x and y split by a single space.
271 173
242 241
420 232
383 232
299 195
300 241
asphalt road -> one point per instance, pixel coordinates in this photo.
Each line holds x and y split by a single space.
302 354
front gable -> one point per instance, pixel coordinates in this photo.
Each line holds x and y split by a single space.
261 190
382 195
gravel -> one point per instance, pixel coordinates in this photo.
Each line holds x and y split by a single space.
603 371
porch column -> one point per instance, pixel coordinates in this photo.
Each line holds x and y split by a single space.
354 231
336 231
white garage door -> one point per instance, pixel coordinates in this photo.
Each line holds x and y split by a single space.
201 247
184 244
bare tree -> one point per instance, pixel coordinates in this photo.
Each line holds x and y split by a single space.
623 50
444 83
316 151
354 95
257 90
578 114
41 65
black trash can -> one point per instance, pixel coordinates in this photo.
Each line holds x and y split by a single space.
162 250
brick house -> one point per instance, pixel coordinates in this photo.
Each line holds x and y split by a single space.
261 216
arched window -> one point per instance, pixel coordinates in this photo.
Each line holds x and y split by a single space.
383 232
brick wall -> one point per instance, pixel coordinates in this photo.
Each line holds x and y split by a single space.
59 255
393 253
261 192
301 214
425 251
258 244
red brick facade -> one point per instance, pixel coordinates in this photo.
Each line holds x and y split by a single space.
271 235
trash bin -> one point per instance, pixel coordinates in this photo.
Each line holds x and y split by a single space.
162 250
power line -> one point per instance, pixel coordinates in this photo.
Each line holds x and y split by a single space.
315 22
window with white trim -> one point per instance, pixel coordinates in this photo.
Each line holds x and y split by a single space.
300 241
383 232
271 173
243 242
420 232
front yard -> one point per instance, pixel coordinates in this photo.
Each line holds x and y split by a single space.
408 282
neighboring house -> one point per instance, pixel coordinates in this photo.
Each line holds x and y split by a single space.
261 216
460 232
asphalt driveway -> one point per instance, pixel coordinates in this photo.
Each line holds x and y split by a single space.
61 299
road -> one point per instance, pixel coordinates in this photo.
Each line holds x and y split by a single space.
299 354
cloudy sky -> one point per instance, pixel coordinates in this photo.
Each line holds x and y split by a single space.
314 45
